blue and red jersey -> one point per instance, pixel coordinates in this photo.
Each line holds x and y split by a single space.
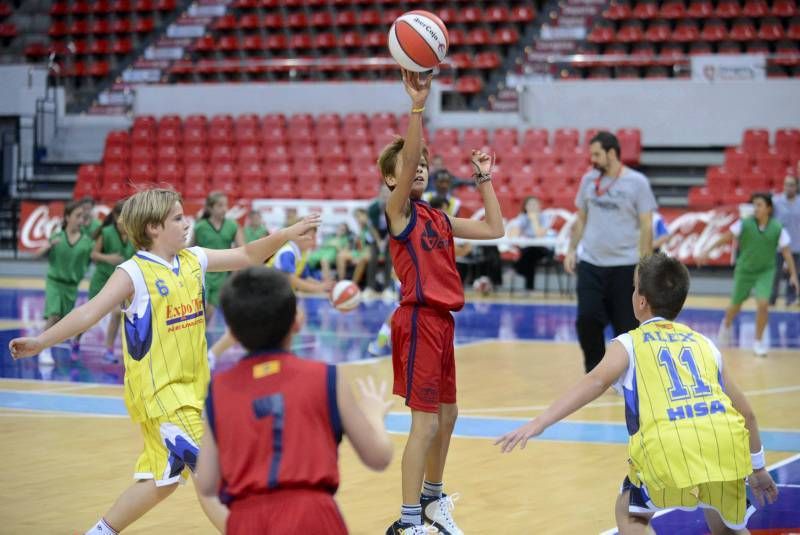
424 260
276 424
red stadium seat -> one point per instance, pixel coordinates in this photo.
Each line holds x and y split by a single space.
755 141
630 144
535 139
143 171
737 161
702 198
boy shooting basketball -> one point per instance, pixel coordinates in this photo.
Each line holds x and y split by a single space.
421 247
693 436
164 343
274 420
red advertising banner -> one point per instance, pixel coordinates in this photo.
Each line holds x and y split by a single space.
690 232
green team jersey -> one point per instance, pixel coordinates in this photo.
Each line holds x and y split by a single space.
112 244
91 227
252 234
757 247
207 236
67 262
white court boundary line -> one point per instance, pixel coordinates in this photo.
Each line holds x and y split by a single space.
793 458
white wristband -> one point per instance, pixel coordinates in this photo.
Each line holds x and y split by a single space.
757 459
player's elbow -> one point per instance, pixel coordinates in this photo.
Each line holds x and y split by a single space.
497 232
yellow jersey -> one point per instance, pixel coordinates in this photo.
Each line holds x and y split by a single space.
164 334
290 260
683 428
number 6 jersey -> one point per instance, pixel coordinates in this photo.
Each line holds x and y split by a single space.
276 423
683 428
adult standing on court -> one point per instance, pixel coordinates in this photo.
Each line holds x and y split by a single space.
612 231
787 211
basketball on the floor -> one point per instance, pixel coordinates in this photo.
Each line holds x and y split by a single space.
418 40
345 296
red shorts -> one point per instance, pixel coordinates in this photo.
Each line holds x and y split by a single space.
422 357
312 512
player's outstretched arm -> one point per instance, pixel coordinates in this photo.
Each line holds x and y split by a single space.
418 89
208 472
363 421
761 482
310 285
257 252
589 388
722 240
492 226
118 288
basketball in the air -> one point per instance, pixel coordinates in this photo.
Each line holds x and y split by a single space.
345 296
418 40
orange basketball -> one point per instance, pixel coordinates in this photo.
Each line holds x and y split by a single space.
418 40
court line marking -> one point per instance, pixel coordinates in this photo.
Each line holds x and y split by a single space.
601 404
775 466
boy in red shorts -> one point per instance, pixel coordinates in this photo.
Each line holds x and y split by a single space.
274 421
422 327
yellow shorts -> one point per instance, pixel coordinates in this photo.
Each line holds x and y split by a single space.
728 498
171 447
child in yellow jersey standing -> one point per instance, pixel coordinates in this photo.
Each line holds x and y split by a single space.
693 436
164 344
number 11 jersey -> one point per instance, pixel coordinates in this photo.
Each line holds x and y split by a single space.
683 428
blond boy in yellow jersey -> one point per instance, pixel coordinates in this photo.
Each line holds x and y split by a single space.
693 436
164 346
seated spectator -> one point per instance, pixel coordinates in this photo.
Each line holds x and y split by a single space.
357 250
325 256
443 182
530 223
379 248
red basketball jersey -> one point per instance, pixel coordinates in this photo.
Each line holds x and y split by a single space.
276 423
424 260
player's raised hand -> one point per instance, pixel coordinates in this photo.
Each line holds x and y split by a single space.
374 398
519 435
302 228
21 348
416 87
763 487
481 162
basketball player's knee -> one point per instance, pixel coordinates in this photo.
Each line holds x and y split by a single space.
762 306
425 426
448 416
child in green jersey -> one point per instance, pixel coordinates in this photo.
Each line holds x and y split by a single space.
111 248
215 231
89 223
759 236
68 252
254 227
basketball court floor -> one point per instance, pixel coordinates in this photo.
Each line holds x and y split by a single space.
68 447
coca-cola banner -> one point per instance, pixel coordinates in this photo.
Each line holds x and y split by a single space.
690 232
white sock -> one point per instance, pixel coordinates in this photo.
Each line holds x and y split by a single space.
101 528
432 490
212 359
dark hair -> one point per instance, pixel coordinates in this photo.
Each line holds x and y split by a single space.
70 207
664 282
608 141
111 219
213 198
438 202
766 197
259 307
524 210
88 199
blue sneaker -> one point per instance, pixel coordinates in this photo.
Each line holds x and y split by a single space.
110 357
